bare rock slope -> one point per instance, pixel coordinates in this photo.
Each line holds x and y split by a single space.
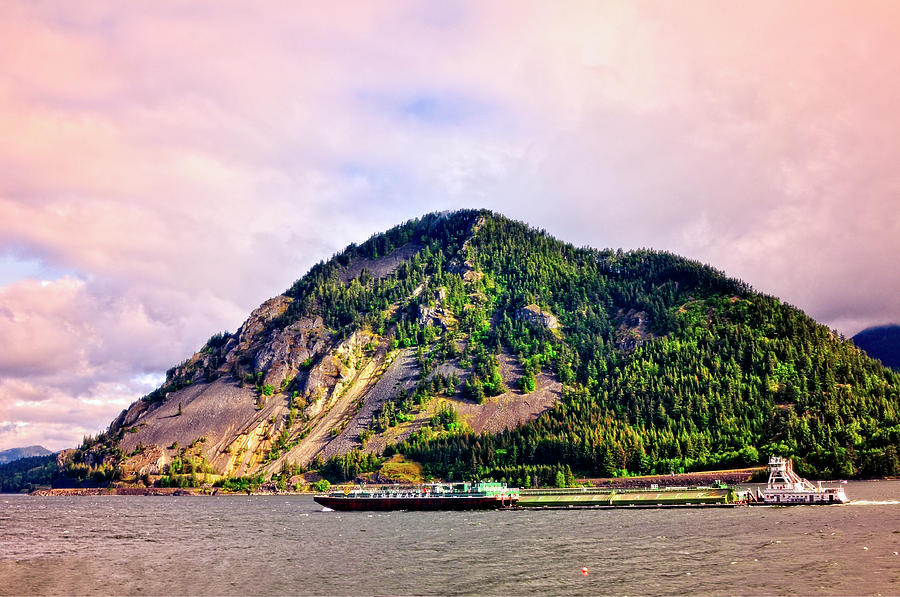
290 386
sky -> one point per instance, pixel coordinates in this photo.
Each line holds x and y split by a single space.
165 167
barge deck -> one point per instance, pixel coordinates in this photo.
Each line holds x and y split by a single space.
588 497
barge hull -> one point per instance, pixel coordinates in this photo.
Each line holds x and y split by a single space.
414 503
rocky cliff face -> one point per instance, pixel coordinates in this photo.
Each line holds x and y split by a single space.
266 383
286 388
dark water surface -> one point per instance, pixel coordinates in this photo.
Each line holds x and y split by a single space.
288 545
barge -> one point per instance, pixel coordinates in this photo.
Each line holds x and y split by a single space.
435 496
784 488
787 488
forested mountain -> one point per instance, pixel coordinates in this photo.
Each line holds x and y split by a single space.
477 346
882 343
25 474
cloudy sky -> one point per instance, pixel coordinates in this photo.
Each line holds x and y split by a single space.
167 166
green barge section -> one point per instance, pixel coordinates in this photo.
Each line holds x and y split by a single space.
593 497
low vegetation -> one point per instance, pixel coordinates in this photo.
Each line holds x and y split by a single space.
400 470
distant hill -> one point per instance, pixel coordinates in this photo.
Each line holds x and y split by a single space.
27 452
474 346
881 342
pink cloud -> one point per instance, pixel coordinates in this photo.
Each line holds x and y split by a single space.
188 162
62 335
31 413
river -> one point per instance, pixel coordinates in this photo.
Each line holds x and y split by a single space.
227 545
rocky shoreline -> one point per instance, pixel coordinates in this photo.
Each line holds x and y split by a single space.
94 491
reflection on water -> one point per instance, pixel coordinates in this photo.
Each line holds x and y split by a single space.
288 545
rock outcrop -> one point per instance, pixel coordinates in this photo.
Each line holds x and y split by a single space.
535 315
435 313
632 329
288 351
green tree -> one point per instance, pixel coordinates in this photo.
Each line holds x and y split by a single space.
560 479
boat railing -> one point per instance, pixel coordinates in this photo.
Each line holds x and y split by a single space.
612 490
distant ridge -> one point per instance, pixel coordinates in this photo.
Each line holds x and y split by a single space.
881 342
26 452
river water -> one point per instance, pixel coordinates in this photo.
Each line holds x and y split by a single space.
288 545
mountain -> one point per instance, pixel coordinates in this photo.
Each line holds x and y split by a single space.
882 343
465 344
27 452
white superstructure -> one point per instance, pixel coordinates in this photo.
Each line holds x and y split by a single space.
786 487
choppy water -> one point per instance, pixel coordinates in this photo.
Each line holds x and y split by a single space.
288 545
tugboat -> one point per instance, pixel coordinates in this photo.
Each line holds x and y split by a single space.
434 496
787 488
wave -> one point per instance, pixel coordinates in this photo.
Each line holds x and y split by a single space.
874 502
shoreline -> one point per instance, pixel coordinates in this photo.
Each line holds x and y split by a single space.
734 477
98 491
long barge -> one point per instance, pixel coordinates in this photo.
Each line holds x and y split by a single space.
435 496
784 488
